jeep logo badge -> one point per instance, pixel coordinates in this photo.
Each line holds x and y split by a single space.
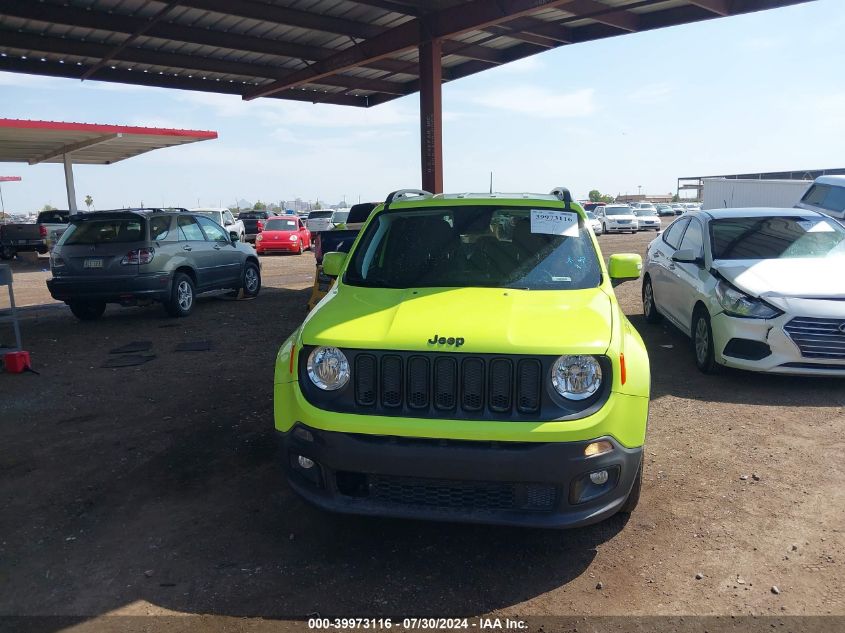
442 340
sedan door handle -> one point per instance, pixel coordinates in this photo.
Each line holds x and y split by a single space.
217 247
187 248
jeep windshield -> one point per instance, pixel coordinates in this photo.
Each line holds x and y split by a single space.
474 246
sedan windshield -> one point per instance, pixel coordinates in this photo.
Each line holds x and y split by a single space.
776 238
618 210
318 215
280 225
643 212
480 246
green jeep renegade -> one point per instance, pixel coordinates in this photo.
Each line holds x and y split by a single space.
471 363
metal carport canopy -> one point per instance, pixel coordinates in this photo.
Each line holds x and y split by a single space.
34 142
346 52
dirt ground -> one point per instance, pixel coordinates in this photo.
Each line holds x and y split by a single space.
157 489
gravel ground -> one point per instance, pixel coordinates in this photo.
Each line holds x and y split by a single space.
156 489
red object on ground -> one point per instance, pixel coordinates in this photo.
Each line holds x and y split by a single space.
16 362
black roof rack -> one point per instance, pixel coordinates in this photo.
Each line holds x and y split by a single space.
562 193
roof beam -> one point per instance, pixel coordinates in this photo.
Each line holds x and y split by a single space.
74 147
160 15
719 7
600 12
190 63
287 16
155 80
73 16
477 14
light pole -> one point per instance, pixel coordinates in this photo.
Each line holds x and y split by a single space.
639 191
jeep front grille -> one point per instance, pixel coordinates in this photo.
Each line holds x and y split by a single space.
451 385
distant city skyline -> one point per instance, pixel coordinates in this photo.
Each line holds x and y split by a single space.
740 94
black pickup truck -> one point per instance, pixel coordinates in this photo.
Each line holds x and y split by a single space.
253 223
39 237
339 239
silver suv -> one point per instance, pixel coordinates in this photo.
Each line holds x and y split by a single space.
146 255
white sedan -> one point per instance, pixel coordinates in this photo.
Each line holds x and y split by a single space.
757 289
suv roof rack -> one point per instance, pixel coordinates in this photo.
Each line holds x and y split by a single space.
562 193
406 193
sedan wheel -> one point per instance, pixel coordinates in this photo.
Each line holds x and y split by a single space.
702 338
649 307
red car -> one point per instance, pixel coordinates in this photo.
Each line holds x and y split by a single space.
286 234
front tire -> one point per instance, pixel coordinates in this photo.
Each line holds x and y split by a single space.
87 310
251 282
182 296
7 252
702 342
652 315
604 228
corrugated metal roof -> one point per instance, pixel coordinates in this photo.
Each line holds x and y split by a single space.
351 52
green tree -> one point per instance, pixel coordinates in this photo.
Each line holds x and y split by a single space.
89 201
317 206
259 206
48 207
597 196
676 198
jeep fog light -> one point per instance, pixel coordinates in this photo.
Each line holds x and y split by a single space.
597 448
328 368
598 478
576 377
309 463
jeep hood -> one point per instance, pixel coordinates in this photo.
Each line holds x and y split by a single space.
490 320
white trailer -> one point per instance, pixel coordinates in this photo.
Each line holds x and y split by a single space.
726 193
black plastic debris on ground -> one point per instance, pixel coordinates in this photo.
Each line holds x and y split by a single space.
193 346
128 360
135 346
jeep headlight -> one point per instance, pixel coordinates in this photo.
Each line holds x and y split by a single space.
328 368
576 377
736 303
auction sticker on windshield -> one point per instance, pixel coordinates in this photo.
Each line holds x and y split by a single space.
554 222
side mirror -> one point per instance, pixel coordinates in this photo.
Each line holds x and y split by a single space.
625 267
333 263
686 256
234 236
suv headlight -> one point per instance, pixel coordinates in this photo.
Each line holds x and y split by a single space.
576 377
328 368
736 303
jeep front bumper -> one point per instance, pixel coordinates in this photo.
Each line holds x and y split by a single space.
532 484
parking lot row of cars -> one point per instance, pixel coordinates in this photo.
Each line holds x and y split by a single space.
630 218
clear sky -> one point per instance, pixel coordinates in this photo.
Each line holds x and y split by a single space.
757 92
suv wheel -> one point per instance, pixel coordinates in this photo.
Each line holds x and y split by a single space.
649 307
182 293
251 282
702 342
603 227
7 252
87 310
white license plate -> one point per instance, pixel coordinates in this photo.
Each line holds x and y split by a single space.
93 262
